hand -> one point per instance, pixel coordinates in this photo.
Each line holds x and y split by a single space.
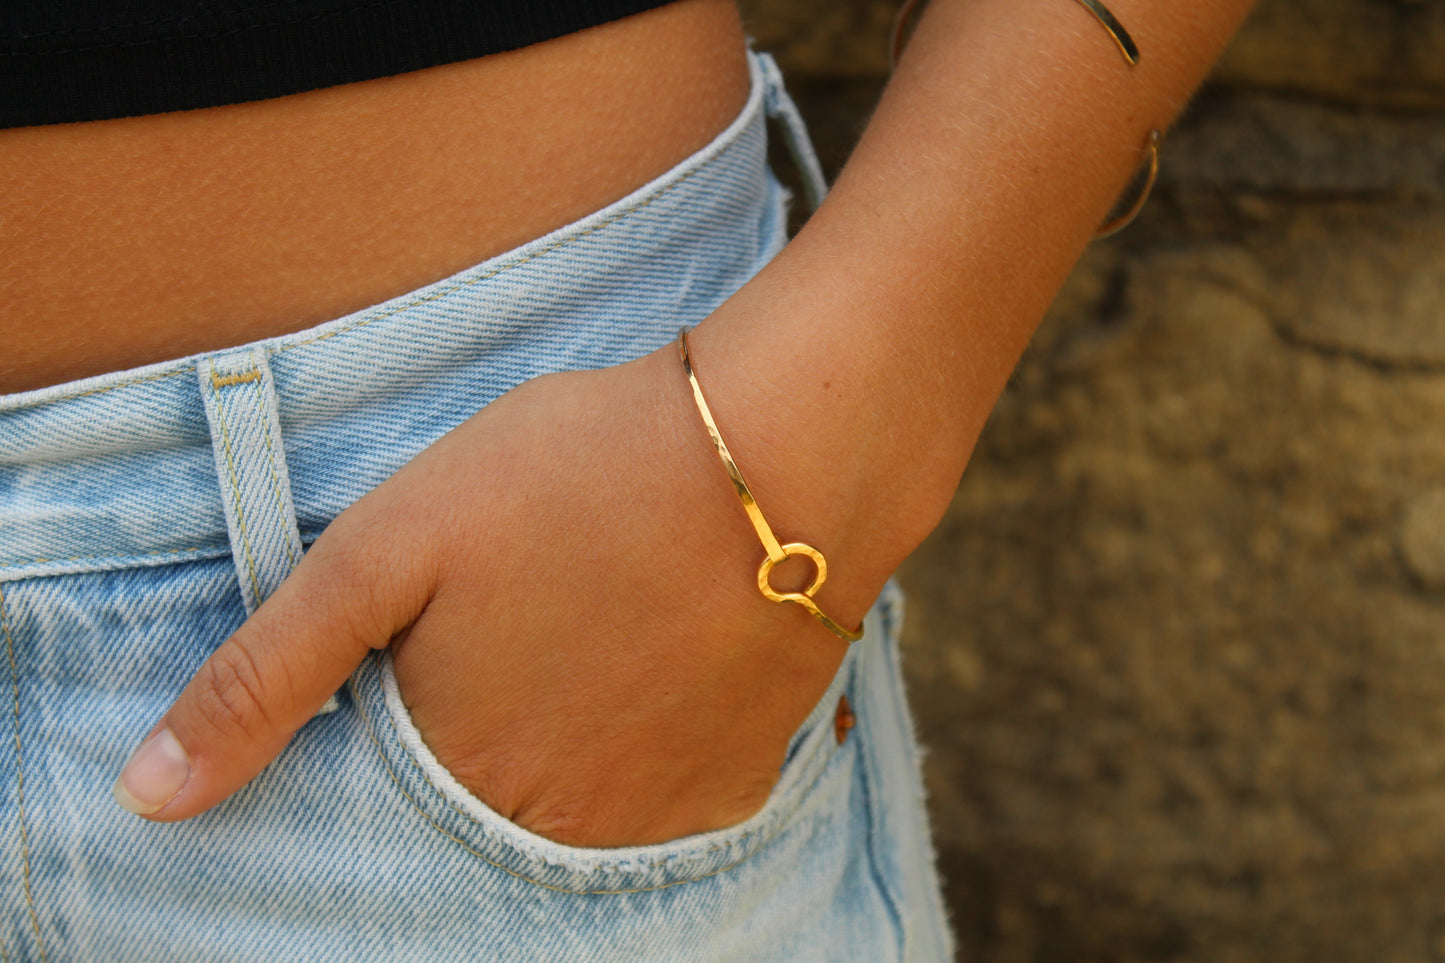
568 585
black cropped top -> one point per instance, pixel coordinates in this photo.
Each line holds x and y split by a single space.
71 60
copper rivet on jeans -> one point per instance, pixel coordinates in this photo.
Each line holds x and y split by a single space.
843 720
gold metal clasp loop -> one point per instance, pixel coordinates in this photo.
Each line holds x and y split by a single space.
805 597
820 575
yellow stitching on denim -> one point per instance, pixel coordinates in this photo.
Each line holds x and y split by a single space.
376 744
437 295
235 488
221 381
20 779
284 518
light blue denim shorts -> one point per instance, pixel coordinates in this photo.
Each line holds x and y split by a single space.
143 514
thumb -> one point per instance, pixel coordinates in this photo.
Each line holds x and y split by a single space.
270 677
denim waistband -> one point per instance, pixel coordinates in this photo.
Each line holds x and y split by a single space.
122 469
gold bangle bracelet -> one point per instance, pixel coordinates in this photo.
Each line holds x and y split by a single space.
774 551
1116 30
899 33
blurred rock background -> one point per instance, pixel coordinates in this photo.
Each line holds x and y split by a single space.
1178 649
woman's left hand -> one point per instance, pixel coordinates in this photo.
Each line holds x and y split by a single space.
567 582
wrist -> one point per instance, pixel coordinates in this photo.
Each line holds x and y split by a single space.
842 452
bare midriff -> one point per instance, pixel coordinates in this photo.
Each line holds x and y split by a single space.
131 241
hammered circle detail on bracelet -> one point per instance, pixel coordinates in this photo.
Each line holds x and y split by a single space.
776 552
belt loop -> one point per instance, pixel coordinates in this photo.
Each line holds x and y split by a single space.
240 400
779 106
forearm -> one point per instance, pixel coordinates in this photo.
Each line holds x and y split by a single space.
858 369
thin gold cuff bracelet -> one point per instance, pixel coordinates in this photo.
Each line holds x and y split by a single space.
775 551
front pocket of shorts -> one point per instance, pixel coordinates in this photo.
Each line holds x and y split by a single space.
818 774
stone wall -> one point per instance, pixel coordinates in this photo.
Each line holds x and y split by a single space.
1179 647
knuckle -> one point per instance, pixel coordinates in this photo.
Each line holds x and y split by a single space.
362 581
563 822
230 696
